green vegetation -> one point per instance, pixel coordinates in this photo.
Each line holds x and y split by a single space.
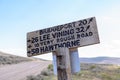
88 72
44 75
50 67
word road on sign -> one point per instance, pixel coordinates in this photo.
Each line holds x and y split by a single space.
75 34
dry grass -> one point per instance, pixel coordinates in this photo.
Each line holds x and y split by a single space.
7 59
88 72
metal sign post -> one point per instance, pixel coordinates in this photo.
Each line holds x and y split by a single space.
74 61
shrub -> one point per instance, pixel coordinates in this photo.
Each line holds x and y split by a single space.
45 73
50 67
92 67
38 77
106 76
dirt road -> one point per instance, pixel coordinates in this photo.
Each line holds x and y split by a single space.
21 70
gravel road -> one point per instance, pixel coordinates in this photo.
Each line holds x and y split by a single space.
21 70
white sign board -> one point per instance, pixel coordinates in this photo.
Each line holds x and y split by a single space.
75 34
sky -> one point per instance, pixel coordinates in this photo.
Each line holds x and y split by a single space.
17 17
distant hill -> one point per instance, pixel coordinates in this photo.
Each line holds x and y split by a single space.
11 59
101 60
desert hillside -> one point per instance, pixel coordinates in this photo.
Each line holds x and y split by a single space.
10 65
11 59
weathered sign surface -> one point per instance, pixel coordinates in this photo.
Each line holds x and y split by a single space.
75 34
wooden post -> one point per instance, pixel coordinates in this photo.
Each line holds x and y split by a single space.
63 64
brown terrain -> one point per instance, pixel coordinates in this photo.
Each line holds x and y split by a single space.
12 69
21 70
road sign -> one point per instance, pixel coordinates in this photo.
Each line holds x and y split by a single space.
75 34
